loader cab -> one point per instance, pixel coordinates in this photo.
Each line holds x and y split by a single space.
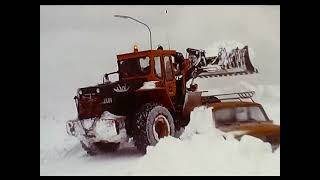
150 65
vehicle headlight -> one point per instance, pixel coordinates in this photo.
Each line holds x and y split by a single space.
80 92
98 90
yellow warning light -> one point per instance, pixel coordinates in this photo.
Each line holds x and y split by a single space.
135 48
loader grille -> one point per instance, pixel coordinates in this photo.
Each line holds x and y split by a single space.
89 106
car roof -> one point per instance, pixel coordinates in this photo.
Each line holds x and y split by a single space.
233 104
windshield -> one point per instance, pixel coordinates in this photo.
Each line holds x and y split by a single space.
240 114
134 67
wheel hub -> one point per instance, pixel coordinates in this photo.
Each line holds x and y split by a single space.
161 127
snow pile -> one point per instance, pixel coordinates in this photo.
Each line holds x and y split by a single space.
202 150
214 48
212 68
200 123
55 144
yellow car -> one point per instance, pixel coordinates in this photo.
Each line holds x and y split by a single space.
246 118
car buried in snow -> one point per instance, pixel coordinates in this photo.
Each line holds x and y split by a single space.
244 118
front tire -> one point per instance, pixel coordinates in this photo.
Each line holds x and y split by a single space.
153 122
90 148
107 147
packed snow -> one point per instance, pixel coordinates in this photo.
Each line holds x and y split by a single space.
214 48
200 150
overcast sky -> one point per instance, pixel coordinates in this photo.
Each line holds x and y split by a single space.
78 44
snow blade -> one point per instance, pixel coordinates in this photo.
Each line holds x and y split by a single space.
237 62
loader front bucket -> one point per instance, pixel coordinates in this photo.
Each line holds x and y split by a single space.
236 62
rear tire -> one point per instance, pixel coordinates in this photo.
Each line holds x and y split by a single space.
153 122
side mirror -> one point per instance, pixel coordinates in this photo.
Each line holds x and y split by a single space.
106 76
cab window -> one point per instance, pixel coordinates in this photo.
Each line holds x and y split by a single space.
168 68
157 66
134 67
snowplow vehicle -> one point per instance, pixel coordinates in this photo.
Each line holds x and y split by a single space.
151 99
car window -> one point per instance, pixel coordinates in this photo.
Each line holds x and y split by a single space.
241 114
251 113
221 115
256 114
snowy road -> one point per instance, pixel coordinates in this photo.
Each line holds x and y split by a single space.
79 163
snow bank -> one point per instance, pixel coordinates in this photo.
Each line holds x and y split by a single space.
202 150
55 144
